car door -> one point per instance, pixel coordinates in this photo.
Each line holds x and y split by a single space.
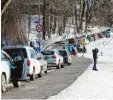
35 62
44 62
60 57
20 72
40 59
5 67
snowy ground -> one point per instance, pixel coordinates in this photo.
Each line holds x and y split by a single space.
93 85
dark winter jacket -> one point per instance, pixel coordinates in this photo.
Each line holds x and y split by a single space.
95 51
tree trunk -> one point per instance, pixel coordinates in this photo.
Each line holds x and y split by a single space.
50 27
64 23
75 12
54 26
44 19
82 15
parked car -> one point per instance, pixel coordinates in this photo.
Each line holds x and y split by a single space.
100 35
30 59
106 33
5 71
66 56
53 57
11 71
108 29
43 62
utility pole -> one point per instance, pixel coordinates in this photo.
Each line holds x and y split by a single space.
39 11
39 23
29 21
44 18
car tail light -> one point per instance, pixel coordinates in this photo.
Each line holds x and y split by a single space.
28 62
54 57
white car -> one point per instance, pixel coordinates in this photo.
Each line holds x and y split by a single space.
43 62
11 71
53 57
5 71
30 59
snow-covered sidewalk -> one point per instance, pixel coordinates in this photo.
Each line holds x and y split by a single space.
93 85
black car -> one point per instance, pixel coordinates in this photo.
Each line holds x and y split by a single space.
66 56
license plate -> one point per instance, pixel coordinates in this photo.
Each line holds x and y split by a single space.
46 57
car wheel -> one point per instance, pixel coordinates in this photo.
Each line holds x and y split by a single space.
32 77
68 64
15 84
46 72
3 83
40 74
62 66
59 66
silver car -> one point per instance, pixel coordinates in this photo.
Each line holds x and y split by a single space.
53 57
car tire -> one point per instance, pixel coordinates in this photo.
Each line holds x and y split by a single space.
3 83
68 64
62 66
40 74
15 84
46 72
32 77
59 66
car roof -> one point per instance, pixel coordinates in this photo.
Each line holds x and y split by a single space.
13 47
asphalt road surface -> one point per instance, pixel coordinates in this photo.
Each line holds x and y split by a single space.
50 84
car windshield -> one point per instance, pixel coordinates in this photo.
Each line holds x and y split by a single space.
13 52
63 53
47 52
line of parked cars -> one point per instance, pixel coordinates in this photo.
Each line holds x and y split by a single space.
20 63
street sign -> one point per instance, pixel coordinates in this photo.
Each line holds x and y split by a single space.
39 28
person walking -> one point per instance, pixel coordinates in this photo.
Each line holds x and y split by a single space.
95 51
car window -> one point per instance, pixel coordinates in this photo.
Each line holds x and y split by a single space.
57 52
32 54
16 50
3 56
6 58
47 52
63 53
17 58
40 55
